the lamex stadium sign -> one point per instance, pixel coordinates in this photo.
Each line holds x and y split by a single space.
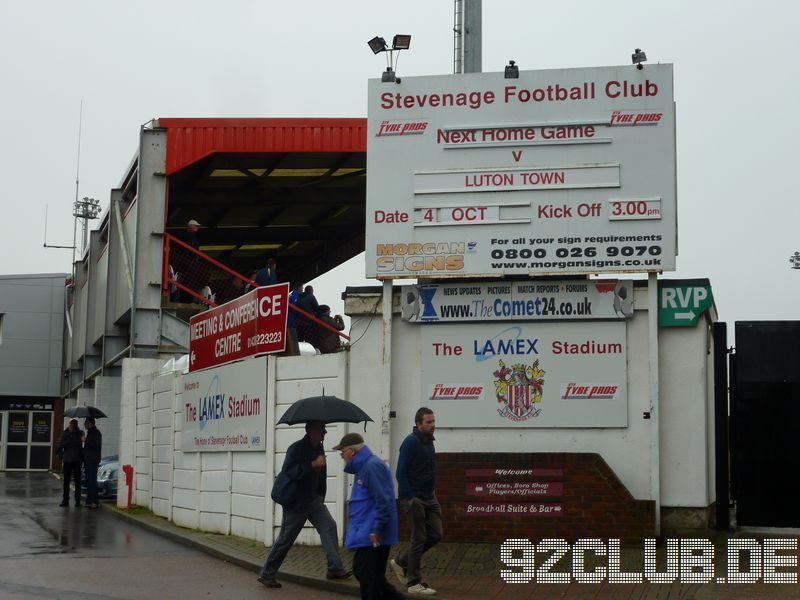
556 172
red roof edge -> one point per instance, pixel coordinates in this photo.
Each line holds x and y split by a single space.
191 139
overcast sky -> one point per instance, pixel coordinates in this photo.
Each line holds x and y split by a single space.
736 89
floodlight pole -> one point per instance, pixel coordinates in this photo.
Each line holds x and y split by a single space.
467 28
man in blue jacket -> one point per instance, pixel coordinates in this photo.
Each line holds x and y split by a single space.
416 482
373 518
305 464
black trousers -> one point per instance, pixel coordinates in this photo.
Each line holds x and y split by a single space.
71 468
369 567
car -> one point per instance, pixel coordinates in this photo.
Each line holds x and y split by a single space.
107 479
107 472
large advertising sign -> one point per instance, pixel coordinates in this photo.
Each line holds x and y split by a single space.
517 301
254 323
526 375
557 172
225 408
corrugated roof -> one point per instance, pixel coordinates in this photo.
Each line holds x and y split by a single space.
190 140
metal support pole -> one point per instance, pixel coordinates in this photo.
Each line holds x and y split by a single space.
721 449
472 36
655 438
387 369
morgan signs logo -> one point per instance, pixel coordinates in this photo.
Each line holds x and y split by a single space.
519 389
589 391
394 128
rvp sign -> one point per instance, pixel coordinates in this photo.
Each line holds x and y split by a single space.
681 305
254 323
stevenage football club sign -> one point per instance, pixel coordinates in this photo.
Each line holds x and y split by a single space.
558 172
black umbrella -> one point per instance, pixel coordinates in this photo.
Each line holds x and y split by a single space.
84 411
328 409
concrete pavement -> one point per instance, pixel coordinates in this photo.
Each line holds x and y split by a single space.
465 571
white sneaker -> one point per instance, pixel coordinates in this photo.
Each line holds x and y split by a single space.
399 571
421 589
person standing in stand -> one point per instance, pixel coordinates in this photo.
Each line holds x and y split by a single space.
292 345
92 450
268 275
69 451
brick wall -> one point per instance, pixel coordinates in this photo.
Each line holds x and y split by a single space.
535 495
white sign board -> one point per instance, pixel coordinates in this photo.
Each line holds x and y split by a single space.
225 408
526 375
517 301
557 172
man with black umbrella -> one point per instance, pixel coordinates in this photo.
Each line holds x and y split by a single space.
306 468
92 450
69 451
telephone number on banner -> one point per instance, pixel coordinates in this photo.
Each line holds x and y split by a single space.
685 561
261 339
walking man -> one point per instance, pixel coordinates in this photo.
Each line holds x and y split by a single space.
416 481
305 466
69 451
92 450
373 518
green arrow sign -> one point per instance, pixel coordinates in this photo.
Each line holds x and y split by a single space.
682 305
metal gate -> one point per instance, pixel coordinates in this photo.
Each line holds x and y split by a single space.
765 422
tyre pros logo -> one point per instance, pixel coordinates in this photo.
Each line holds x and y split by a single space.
589 391
396 128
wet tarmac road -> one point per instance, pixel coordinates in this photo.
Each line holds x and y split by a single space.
75 553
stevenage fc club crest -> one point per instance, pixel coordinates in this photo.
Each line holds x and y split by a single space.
519 389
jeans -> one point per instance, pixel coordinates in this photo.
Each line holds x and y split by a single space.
369 567
91 483
292 524
425 522
70 469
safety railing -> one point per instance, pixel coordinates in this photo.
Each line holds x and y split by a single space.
191 276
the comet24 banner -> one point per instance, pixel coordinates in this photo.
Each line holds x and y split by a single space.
225 408
526 374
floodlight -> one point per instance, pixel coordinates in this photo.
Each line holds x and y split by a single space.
638 57
401 42
377 44
794 260
512 70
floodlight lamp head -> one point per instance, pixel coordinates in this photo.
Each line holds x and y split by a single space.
377 44
512 70
638 57
401 42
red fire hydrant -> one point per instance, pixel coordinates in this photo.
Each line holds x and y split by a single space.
128 470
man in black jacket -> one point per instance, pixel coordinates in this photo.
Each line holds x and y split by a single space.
92 449
305 465
69 450
416 483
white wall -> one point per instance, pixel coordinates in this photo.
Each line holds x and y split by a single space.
228 492
686 403
225 492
